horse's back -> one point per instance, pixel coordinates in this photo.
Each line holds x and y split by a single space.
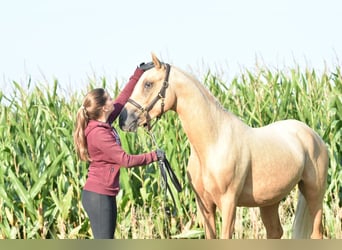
285 135
292 128
297 136
310 140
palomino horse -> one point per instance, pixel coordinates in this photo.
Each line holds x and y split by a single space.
232 164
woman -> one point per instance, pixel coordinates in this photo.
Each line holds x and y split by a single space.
98 143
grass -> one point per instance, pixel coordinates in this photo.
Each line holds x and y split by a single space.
41 179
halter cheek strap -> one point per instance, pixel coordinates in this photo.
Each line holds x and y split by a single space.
161 95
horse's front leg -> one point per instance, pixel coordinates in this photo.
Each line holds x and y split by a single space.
206 207
228 203
229 200
207 210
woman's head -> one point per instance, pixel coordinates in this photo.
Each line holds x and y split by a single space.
96 104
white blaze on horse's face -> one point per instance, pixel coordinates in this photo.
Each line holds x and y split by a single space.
146 101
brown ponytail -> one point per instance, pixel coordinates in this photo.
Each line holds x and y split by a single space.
90 110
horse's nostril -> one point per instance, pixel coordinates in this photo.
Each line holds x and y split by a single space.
122 118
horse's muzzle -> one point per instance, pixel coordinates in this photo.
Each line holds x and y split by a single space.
128 121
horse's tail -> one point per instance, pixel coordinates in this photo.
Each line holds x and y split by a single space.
302 225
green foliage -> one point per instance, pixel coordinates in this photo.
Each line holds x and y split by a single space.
41 179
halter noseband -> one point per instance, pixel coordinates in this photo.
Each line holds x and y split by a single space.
161 95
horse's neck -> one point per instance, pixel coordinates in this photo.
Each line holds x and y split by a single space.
201 115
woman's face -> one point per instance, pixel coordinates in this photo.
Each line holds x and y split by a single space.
109 106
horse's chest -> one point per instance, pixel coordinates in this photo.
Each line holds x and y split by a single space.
205 184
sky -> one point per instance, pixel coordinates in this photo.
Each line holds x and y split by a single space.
78 40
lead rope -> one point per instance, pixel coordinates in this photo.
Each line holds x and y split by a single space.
165 168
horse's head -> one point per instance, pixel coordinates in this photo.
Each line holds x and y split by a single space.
151 97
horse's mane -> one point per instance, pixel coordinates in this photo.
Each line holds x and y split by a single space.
202 88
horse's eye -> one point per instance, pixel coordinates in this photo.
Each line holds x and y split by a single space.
148 85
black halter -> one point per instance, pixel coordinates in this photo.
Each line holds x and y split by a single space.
161 95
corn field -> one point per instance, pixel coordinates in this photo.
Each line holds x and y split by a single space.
41 179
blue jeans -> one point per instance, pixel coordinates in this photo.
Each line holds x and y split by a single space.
102 212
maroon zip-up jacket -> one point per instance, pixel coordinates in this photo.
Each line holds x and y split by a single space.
105 149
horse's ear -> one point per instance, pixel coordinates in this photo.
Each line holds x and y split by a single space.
156 62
